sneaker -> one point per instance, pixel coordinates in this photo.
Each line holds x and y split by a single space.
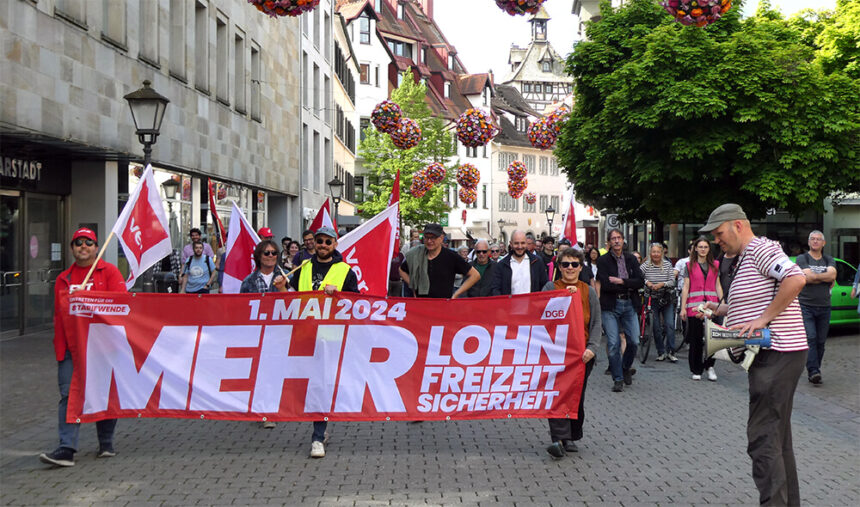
671 357
618 386
269 424
628 376
317 450
61 457
569 446
106 451
696 377
815 378
556 450
712 375
661 357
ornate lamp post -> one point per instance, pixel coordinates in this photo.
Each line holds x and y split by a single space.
335 186
147 110
170 187
501 223
550 216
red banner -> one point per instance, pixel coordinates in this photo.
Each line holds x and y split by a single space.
305 356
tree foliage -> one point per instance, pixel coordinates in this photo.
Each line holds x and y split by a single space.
382 159
671 121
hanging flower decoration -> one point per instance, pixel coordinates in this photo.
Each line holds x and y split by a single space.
261 197
696 12
530 197
221 193
137 171
275 8
517 187
517 171
435 172
475 128
186 189
541 134
467 195
386 116
407 134
420 184
519 7
556 119
468 176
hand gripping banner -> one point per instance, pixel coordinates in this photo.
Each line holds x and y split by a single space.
305 356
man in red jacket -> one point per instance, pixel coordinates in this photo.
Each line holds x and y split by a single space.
105 277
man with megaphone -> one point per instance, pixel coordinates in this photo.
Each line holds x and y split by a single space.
763 295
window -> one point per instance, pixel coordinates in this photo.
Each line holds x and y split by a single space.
316 90
546 66
305 25
521 123
399 79
544 166
365 71
553 167
543 203
507 203
327 36
364 29
326 99
255 82
315 165
376 75
114 30
363 125
400 48
547 88
148 32
201 47
378 6
451 62
527 87
306 163
399 11
484 196
472 151
239 73
306 88
486 96
447 90
221 67
529 161
485 151
72 10
528 208
554 200
328 161
177 38
505 159
316 27
423 55
359 188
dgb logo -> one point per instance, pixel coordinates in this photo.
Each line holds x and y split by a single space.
554 314
556 308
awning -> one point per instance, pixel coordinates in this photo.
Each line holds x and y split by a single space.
454 234
479 232
349 220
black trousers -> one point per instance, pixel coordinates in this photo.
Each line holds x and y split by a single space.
773 379
571 429
696 337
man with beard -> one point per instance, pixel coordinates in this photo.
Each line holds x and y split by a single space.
325 272
429 269
519 272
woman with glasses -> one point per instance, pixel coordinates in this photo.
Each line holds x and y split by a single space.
264 278
701 285
565 432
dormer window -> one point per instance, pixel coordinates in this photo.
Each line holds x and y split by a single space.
521 124
486 95
451 62
378 6
400 11
546 66
447 90
423 55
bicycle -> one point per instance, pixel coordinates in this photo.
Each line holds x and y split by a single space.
646 325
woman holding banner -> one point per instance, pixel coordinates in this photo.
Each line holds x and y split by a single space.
565 432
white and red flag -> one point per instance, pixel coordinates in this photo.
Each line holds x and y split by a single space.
394 198
141 228
361 249
323 218
241 241
219 226
569 229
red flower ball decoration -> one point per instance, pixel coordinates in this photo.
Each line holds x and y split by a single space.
468 176
221 193
435 172
386 116
519 7
556 119
696 12
517 187
541 134
275 8
468 195
531 198
137 171
420 184
406 135
475 128
517 171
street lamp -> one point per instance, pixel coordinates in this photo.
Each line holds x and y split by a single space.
501 223
147 110
550 216
335 186
170 187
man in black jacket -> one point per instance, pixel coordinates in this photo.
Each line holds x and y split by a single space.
619 277
484 265
519 272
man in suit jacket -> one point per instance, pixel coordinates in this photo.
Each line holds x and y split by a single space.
519 272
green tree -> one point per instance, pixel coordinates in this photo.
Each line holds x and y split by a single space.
382 159
671 121
839 40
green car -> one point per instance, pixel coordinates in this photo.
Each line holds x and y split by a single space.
843 309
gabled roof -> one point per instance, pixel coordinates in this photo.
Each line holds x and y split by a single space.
540 14
351 9
474 84
508 99
529 68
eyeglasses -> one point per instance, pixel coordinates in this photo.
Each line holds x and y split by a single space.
572 264
82 241
430 236
270 253
309 238
481 251
494 251
326 241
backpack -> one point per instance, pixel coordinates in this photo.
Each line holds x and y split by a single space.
208 267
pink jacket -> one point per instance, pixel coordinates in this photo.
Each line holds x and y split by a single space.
701 289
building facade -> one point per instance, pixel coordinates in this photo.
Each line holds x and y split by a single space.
232 76
346 76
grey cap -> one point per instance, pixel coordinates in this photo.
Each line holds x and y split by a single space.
722 214
326 230
434 229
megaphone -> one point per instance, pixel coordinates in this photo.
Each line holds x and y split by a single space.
718 338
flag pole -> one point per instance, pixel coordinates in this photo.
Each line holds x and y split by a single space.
98 258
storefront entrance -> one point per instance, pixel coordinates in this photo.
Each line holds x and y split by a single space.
31 257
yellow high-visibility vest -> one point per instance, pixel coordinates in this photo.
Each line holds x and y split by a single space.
336 276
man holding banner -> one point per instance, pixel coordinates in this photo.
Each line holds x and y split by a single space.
327 272
107 277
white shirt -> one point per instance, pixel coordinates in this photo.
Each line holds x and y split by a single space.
521 275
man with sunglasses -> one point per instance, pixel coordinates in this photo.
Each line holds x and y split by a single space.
429 269
495 252
105 277
326 271
484 265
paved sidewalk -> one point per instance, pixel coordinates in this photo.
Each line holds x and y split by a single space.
664 440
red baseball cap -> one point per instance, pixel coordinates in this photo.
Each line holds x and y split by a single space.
83 232
265 232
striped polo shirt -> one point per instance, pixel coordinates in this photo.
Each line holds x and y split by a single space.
658 274
760 267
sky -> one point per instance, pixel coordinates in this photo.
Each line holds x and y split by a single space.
483 33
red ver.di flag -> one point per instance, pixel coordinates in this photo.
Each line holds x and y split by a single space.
323 218
368 250
141 228
307 356
241 241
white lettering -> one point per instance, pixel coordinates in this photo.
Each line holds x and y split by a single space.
213 366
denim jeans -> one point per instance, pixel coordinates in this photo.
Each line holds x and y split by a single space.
664 331
69 431
319 431
816 321
622 318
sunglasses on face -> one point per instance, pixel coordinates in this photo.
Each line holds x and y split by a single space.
82 241
324 241
431 236
481 251
494 251
572 264
270 253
